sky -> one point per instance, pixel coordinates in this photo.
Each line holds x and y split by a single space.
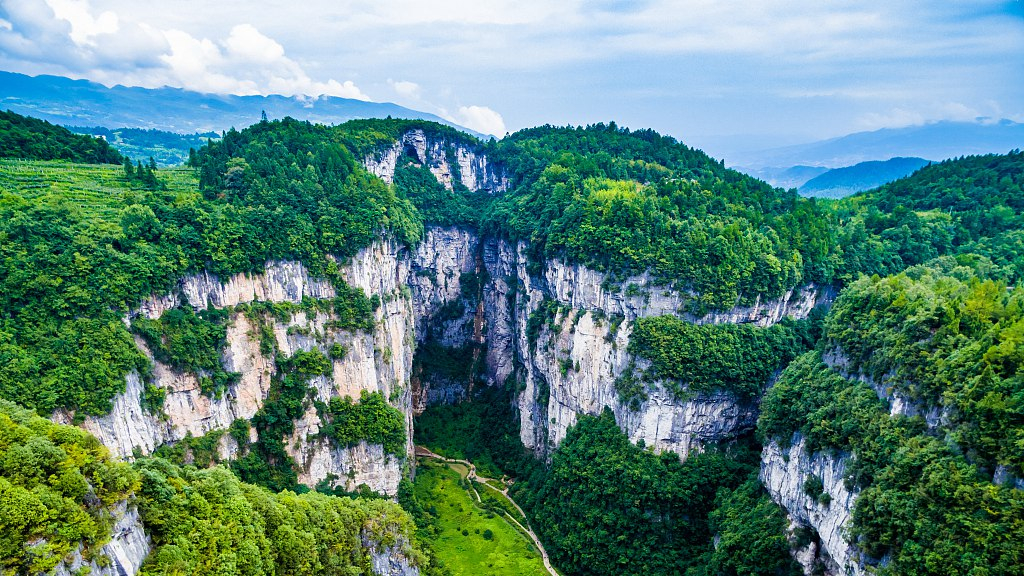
718 74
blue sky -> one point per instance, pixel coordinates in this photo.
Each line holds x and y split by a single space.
717 74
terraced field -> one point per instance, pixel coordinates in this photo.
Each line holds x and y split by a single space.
98 189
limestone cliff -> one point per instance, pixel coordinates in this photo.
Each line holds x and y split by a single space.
380 361
784 473
449 161
571 366
122 555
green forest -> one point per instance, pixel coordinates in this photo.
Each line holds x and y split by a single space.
627 202
60 489
922 311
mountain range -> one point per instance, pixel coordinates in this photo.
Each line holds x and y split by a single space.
83 103
936 140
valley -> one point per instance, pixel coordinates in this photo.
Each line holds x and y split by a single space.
682 369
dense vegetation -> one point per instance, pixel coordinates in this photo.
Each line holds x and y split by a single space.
208 522
949 344
57 488
435 203
484 431
371 419
82 245
628 202
969 206
608 506
33 139
927 495
368 136
300 194
190 342
687 358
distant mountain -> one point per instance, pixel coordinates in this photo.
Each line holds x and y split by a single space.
84 103
938 140
840 182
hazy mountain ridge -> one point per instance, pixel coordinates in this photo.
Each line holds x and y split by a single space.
840 182
83 103
937 140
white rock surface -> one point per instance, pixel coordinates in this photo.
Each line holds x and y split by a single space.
391 560
126 550
579 363
783 473
474 169
410 287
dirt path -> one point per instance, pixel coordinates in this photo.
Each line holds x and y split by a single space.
422 451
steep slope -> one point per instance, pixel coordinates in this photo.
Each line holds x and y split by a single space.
899 448
67 508
288 304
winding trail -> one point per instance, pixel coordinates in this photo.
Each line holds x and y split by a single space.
423 452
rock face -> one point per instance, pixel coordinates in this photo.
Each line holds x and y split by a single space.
448 161
126 551
391 560
784 472
899 403
571 366
409 286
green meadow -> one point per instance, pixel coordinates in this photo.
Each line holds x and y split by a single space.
462 529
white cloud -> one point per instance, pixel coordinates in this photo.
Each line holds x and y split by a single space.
480 118
247 62
924 113
406 89
65 36
84 26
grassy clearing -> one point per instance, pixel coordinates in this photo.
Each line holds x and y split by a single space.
461 527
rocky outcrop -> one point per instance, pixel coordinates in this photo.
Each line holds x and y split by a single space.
123 555
435 279
318 459
279 282
409 286
393 560
784 473
900 404
577 286
447 160
572 369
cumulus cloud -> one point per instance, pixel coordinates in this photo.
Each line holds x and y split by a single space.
480 118
924 113
247 62
69 36
406 89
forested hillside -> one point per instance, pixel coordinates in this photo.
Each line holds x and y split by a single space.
32 139
937 492
969 207
630 202
60 491
882 333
